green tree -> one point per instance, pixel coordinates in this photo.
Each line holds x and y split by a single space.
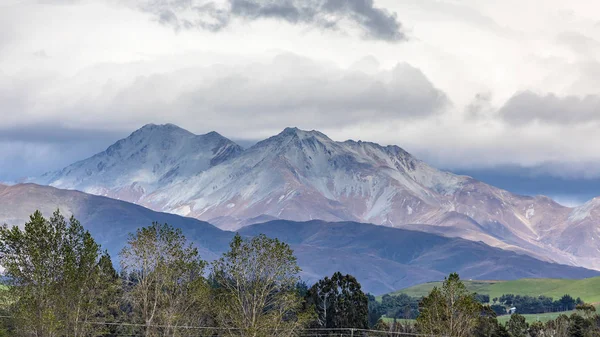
451 310
559 326
579 326
487 324
165 287
517 326
339 302
536 329
586 310
256 293
58 278
375 312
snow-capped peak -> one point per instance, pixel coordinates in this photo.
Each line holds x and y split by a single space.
149 158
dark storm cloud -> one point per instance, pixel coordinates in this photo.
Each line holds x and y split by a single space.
375 23
527 107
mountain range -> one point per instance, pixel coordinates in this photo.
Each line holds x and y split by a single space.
383 259
304 175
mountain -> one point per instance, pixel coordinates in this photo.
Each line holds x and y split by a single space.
304 175
383 259
390 258
108 220
149 158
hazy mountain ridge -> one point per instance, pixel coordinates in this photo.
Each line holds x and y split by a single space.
304 175
383 259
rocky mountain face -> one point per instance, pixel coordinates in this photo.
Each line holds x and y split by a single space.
383 259
151 157
304 175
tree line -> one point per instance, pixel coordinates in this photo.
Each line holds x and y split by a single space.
59 282
534 305
403 306
452 310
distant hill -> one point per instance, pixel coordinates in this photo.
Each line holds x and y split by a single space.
382 258
108 220
588 289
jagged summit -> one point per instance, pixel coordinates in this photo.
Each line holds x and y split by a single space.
294 131
305 175
148 159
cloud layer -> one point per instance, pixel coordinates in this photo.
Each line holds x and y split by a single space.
373 22
477 85
528 107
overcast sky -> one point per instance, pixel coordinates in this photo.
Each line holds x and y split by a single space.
493 88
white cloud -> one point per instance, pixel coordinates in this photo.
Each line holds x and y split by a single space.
108 66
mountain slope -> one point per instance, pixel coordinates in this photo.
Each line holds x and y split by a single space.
304 175
109 220
383 259
414 252
149 158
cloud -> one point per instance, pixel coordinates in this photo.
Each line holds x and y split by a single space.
246 101
480 107
287 90
527 107
374 23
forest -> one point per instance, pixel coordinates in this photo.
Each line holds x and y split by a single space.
58 281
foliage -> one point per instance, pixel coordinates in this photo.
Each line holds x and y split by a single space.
538 305
586 310
165 286
339 302
451 310
488 326
256 291
586 289
517 326
58 278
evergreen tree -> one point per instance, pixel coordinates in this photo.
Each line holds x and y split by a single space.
339 302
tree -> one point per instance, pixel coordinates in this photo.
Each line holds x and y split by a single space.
58 278
487 324
517 326
451 310
578 326
256 292
560 326
586 310
567 303
536 329
165 287
375 312
498 309
339 302
400 306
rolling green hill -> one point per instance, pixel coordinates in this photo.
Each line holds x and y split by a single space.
588 289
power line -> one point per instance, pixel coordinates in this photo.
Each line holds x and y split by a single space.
310 332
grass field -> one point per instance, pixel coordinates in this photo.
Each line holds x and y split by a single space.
537 317
501 319
587 289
